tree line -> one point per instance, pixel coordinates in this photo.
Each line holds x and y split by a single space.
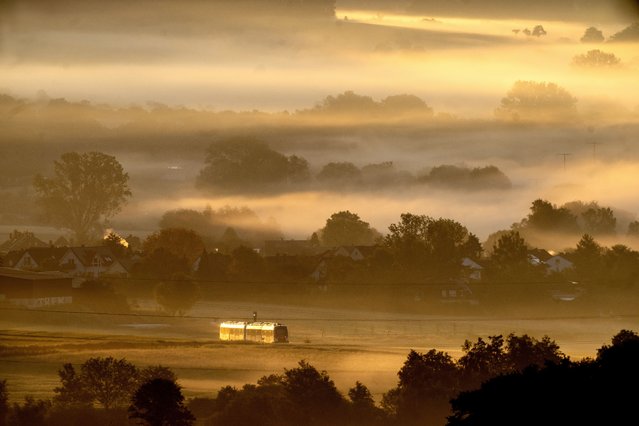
499 380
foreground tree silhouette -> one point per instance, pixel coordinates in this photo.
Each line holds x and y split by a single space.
426 384
4 402
160 402
106 381
600 391
86 190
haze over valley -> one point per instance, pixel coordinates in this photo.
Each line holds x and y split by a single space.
431 196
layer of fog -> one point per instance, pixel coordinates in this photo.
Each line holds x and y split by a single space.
460 66
483 212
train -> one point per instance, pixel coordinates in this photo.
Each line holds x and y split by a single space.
255 331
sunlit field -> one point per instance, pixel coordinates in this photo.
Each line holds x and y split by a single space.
369 346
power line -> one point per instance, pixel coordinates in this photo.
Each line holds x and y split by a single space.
565 154
334 319
594 150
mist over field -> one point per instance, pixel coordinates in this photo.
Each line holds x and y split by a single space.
230 123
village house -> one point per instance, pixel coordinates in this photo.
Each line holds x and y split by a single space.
93 262
36 259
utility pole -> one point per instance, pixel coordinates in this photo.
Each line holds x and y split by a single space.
594 150
564 154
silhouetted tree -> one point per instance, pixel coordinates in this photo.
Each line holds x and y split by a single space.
156 372
585 392
633 229
530 100
426 383
344 172
85 191
116 244
525 351
405 104
72 392
545 216
489 177
107 381
509 261
248 164
314 395
363 410
348 103
592 35
182 243
538 31
588 259
482 360
346 228
31 413
4 403
159 402
596 58
599 221
161 264
628 34
421 243
621 266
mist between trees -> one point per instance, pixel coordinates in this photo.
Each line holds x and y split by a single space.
494 381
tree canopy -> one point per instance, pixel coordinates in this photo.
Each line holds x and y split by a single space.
530 100
159 402
436 247
628 34
85 191
562 392
345 228
592 35
109 382
596 59
249 164
461 177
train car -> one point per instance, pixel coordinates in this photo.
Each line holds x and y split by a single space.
233 331
266 332
261 332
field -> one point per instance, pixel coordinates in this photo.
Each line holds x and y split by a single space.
350 345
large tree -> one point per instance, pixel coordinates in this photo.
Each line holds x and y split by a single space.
544 216
159 402
346 228
245 164
531 100
85 191
182 243
107 381
434 246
